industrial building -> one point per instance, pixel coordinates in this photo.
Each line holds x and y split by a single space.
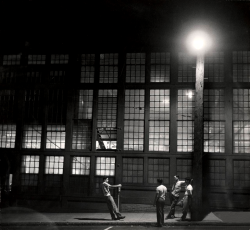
107 88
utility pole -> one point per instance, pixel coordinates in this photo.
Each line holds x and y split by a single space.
198 140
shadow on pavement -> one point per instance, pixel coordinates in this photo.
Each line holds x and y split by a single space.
92 219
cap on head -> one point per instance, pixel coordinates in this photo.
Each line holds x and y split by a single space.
176 176
188 179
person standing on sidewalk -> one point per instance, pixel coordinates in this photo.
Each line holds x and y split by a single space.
159 201
186 201
174 196
114 212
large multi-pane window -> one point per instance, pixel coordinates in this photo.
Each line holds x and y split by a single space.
13 59
7 119
8 76
34 76
241 172
105 166
80 165
132 171
53 175
241 120
106 137
214 124
158 168
29 173
160 67
134 120
214 67
82 123
216 172
135 67
184 168
32 130
8 136
241 66
56 120
79 180
57 76
36 59
54 164
87 68
186 68
159 118
108 68
32 135
185 120
59 59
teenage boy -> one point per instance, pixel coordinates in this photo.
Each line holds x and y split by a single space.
114 212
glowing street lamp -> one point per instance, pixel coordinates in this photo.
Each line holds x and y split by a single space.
198 43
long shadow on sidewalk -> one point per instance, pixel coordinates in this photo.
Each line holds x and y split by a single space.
91 219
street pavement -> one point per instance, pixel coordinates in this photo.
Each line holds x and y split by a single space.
17 216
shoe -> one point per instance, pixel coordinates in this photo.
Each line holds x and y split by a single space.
114 218
121 217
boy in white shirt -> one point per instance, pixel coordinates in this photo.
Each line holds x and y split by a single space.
159 201
187 199
114 212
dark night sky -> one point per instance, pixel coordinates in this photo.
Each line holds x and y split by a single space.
118 23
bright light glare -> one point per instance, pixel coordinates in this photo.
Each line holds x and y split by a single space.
189 94
198 41
198 44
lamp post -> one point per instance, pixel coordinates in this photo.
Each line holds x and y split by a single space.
199 42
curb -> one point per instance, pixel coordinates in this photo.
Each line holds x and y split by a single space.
187 223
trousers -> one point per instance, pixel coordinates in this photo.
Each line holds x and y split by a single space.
187 202
173 202
160 211
113 210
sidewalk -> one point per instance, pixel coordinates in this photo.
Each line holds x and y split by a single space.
23 216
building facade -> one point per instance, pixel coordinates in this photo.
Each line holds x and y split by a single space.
71 116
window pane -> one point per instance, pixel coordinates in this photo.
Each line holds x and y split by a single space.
135 67
7 136
185 123
158 168
36 59
105 166
132 170
216 172
59 58
241 66
109 68
134 120
214 67
159 120
241 170
12 59
54 164
32 136
80 165
56 120
88 68
30 164
106 119
186 68
184 168
160 67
